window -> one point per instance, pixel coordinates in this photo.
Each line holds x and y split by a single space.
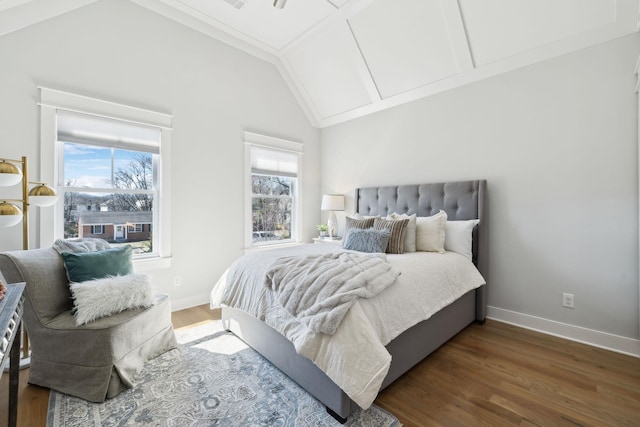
109 166
135 228
273 170
97 229
271 205
106 160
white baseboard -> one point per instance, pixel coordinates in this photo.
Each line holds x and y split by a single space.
574 333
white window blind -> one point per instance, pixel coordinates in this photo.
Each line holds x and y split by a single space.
99 131
266 161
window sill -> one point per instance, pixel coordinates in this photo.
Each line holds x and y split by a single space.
143 265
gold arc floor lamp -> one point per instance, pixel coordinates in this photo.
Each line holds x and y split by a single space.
11 214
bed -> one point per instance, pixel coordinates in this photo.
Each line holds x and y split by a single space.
461 200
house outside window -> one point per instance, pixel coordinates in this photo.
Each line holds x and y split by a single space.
107 158
272 197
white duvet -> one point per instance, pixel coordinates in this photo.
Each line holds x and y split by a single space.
355 357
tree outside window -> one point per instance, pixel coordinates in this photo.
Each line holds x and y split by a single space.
272 205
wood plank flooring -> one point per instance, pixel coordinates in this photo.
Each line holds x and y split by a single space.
488 375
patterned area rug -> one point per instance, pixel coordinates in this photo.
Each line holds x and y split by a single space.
213 378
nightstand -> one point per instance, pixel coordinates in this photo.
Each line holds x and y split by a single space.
332 240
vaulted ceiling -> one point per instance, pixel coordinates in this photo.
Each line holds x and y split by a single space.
344 59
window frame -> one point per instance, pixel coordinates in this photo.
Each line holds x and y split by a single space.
51 220
94 228
252 140
133 228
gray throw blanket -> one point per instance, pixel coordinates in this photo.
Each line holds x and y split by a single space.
319 289
80 245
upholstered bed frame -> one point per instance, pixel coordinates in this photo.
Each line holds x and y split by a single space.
461 200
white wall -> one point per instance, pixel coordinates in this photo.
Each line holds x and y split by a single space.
557 142
117 51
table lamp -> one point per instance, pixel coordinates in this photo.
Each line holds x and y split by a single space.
332 203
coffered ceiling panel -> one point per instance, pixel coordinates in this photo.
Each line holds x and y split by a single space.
329 68
498 29
343 59
404 47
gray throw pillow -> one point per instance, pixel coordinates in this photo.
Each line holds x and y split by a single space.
366 240
397 228
357 223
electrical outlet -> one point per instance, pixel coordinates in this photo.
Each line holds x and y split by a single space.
567 300
177 281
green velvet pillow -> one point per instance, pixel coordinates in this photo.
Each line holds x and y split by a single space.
96 265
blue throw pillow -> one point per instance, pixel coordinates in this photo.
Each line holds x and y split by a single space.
366 240
96 265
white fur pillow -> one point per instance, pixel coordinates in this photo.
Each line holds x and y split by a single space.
430 232
110 295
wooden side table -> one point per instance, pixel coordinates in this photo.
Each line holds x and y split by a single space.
10 329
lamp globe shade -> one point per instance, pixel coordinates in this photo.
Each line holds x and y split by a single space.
42 196
10 174
10 214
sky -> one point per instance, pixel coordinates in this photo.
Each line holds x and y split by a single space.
90 166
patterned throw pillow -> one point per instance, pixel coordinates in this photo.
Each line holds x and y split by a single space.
410 234
351 222
397 228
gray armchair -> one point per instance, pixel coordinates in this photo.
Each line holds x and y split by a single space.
95 361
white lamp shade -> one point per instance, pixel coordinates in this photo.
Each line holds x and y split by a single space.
10 214
9 174
332 202
42 196
10 220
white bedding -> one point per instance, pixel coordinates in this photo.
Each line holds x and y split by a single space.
320 289
354 357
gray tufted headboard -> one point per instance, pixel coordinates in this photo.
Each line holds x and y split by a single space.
460 200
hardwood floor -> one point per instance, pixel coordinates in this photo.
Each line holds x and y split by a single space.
488 375
497 374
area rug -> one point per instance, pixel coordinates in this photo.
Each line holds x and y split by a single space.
212 379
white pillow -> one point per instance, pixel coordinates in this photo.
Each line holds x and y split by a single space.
410 231
98 298
430 232
358 216
459 237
